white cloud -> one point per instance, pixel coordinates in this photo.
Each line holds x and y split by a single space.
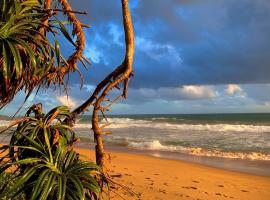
67 101
198 92
93 54
158 51
187 92
233 89
116 34
89 88
267 103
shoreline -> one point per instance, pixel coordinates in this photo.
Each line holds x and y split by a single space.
253 167
158 178
142 177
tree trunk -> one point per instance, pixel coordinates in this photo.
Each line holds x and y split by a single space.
120 77
100 152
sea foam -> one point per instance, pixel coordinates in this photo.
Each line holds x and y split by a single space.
156 145
222 127
4 123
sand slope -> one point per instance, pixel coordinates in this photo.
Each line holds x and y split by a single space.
155 178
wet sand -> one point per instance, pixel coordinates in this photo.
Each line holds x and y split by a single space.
157 178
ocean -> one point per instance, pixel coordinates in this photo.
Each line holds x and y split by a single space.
225 136
243 136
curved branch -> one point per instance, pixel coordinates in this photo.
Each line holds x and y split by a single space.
124 77
121 73
78 30
70 65
125 69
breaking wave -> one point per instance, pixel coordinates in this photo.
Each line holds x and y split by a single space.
116 123
156 145
4 123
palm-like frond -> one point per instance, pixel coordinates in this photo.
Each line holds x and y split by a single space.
43 161
29 48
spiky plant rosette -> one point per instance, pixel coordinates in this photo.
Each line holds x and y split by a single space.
30 54
42 163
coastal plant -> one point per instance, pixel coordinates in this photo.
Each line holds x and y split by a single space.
41 163
30 52
30 57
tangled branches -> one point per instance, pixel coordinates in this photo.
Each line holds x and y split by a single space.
121 74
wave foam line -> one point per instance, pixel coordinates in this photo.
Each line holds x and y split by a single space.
129 123
156 145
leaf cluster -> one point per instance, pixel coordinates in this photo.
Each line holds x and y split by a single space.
42 163
30 54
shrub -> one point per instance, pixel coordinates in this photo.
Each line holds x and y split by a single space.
42 162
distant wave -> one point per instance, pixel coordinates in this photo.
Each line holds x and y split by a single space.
127 123
161 118
4 123
83 126
156 145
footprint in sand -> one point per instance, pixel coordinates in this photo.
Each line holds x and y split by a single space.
220 185
244 191
116 175
162 191
195 181
194 188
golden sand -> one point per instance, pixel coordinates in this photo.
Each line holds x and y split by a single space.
156 178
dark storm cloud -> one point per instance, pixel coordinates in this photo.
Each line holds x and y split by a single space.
183 42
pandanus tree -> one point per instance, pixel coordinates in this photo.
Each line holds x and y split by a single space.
40 154
30 53
31 59
43 163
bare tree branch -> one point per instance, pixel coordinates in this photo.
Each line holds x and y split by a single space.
121 74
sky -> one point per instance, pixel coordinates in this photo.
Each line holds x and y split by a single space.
190 56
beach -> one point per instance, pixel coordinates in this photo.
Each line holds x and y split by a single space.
200 157
157 178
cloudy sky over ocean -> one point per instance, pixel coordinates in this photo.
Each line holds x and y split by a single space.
191 56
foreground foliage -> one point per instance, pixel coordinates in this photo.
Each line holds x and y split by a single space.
42 163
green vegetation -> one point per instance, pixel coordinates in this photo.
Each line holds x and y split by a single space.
30 52
42 162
